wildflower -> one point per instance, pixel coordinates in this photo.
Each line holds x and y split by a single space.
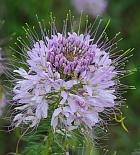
74 75
91 7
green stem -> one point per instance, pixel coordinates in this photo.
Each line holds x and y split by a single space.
66 146
90 148
48 144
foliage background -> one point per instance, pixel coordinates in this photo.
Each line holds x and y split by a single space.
125 18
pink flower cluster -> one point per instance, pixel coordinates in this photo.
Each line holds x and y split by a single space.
70 74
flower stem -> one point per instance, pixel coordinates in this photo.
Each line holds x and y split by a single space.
90 148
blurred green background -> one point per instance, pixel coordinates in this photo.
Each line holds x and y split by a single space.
125 18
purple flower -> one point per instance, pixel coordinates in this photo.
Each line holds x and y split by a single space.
91 7
75 74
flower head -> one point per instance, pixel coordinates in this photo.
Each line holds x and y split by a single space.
74 74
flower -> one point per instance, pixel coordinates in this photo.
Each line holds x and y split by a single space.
71 76
91 7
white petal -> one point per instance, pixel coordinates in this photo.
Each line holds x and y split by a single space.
54 117
21 71
57 75
22 107
64 96
70 84
72 105
89 90
18 117
44 108
47 87
54 122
